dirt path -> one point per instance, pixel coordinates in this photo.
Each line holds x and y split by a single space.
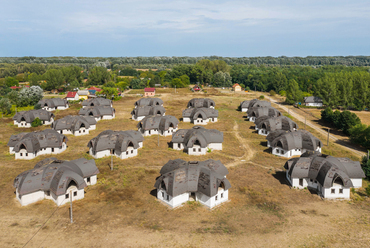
317 128
248 152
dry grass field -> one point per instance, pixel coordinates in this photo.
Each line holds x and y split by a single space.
121 211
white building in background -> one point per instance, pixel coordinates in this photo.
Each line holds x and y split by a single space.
25 118
76 125
313 101
292 143
122 144
54 104
331 177
199 116
202 181
98 112
162 125
255 103
55 180
197 140
30 145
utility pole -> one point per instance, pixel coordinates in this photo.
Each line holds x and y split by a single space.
328 137
70 212
158 138
111 160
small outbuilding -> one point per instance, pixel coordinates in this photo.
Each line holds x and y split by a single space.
266 124
202 181
122 144
148 102
197 140
83 94
54 104
255 112
140 113
98 112
149 91
76 125
162 125
292 143
30 145
245 105
98 101
25 118
201 103
200 116
55 180
330 177
237 87
313 101
72 96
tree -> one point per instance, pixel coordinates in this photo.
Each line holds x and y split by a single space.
347 120
293 93
122 85
110 84
185 80
10 81
5 106
98 76
54 79
34 79
29 96
137 84
109 92
36 122
365 164
219 79
176 82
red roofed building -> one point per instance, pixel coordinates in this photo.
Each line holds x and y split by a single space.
72 96
197 88
236 87
94 88
15 87
149 91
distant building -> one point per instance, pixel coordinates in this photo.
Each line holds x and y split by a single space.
236 87
83 94
162 125
200 116
245 105
196 88
148 102
76 125
98 112
55 180
122 144
140 113
98 101
313 101
72 96
202 181
149 91
197 140
94 88
54 104
31 145
25 118
266 124
201 103
331 177
255 112
295 143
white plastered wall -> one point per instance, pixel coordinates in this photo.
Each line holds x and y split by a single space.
172 201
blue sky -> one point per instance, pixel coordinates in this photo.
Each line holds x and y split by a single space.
184 28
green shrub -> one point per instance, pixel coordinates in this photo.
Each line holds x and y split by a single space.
36 122
368 190
262 97
282 93
37 106
365 164
272 93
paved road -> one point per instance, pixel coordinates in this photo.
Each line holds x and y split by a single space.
317 128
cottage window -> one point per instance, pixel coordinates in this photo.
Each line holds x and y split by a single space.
168 197
301 182
26 154
340 191
75 193
20 154
132 151
163 195
52 149
199 149
47 193
311 180
194 149
88 179
222 195
216 197
67 196
333 191
126 152
282 151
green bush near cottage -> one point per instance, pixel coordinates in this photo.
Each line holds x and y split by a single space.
36 123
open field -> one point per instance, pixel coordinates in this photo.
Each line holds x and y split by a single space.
121 211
